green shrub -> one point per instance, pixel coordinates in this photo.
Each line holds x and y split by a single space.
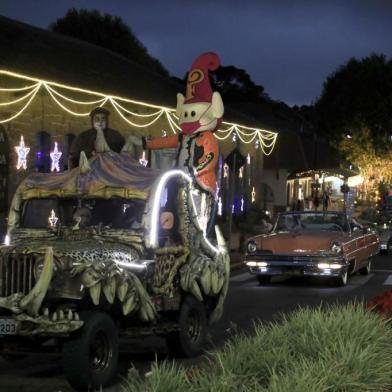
340 348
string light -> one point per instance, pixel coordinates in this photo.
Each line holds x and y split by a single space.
241 172
225 170
143 161
22 152
52 219
262 138
220 206
253 195
55 156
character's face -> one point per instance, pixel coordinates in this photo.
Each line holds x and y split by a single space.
99 121
201 116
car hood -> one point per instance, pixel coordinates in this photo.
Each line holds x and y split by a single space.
298 242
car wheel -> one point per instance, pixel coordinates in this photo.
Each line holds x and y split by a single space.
264 279
366 270
342 279
90 359
188 341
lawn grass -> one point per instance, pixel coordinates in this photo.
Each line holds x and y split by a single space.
338 348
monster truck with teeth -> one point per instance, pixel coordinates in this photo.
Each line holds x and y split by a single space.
107 251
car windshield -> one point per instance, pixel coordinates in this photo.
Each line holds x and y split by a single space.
115 213
312 221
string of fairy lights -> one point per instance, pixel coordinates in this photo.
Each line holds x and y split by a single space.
61 94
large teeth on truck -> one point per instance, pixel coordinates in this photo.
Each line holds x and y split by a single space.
46 312
143 314
110 289
61 315
195 290
150 311
129 304
54 317
69 316
76 316
95 293
205 280
215 281
122 291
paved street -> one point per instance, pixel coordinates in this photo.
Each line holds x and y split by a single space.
246 302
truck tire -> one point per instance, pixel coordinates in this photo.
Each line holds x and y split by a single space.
189 339
90 358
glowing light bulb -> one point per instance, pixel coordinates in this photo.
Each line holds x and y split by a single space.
248 159
7 240
52 219
55 156
22 152
257 144
220 206
143 161
225 170
253 195
242 204
234 137
241 172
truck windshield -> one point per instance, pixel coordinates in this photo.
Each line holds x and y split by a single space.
115 213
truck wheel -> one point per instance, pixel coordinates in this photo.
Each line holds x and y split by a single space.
366 270
90 359
263 279
192 320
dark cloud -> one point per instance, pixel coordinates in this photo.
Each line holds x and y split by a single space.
288 46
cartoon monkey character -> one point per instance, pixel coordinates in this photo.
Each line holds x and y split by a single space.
200 113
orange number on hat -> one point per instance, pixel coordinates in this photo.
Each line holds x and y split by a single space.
194 77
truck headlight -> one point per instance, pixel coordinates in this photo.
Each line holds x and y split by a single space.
251 247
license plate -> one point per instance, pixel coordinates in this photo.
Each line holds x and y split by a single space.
7 327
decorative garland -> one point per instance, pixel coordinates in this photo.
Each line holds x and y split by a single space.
262 138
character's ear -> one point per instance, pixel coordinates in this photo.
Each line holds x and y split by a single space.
217 105
180 104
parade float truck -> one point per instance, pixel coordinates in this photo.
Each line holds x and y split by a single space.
107 251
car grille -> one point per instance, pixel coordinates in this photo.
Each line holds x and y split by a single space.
16 274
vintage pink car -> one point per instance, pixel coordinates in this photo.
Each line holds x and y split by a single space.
306 243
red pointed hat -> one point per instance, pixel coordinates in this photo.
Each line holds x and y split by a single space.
198 87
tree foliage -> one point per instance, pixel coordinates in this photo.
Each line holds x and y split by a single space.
357 95
235 85
109 32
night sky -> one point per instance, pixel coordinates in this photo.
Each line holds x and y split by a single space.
288 46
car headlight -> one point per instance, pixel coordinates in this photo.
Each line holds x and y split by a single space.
336 248
251 247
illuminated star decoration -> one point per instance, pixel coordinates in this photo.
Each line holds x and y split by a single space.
143 161
52 219
22 152
55 156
